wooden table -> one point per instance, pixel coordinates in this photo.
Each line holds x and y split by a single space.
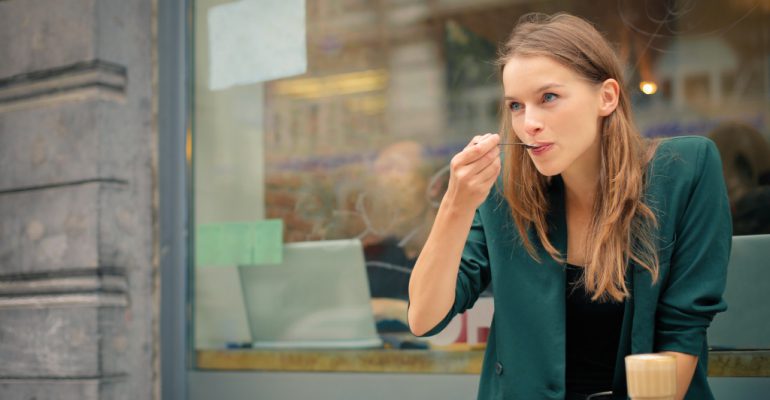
754 363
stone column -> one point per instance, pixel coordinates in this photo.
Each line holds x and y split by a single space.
78 203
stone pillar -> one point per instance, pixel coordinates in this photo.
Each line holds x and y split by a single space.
78 258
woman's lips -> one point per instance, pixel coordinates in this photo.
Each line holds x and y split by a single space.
542 149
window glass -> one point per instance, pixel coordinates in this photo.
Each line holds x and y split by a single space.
323 131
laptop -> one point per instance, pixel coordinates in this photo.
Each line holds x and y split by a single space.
318 297
220 316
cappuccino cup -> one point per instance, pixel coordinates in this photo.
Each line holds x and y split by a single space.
651 376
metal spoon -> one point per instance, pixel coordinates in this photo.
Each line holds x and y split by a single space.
529 146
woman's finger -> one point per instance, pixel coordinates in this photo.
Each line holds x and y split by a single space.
483 162
490 172
477 150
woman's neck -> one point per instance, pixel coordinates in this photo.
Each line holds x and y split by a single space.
581 189
580 196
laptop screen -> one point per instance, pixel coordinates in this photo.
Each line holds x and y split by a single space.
318 297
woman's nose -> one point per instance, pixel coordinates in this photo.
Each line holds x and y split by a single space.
532 124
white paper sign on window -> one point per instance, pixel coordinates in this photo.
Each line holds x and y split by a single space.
254 41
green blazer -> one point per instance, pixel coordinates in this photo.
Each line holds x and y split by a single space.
525 354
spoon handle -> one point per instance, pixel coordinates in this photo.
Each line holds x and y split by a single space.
529 146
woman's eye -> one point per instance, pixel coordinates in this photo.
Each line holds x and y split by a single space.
514 106
549 97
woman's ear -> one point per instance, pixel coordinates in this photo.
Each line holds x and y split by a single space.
609 94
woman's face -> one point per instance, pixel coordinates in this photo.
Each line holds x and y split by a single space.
553 107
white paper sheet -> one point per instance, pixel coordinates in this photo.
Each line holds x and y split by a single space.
256 40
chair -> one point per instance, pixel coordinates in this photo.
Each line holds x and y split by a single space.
746 323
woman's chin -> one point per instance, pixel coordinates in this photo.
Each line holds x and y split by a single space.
548 170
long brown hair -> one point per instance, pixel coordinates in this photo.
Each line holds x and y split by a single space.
622 226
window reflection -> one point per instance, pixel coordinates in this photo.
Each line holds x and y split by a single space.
745 157
356 148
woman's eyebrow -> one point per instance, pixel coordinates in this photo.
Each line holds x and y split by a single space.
548 86
540 89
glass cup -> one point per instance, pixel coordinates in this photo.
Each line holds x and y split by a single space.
651 376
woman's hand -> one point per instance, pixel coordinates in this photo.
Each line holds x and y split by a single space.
685 368
473 171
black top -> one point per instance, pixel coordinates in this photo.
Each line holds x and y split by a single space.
593 335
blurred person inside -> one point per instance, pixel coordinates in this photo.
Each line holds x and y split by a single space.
746 157
396 212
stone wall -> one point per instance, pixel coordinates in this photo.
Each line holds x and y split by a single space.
78 270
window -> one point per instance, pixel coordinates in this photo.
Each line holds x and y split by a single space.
338 138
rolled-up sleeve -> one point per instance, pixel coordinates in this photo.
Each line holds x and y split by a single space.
473 276
692 294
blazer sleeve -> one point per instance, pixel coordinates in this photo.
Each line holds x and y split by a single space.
692 294
473 276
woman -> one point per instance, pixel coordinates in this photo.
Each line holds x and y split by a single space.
598 243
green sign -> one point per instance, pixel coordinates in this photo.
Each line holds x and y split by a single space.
239 243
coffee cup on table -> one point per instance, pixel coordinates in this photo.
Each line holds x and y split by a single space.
651 377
